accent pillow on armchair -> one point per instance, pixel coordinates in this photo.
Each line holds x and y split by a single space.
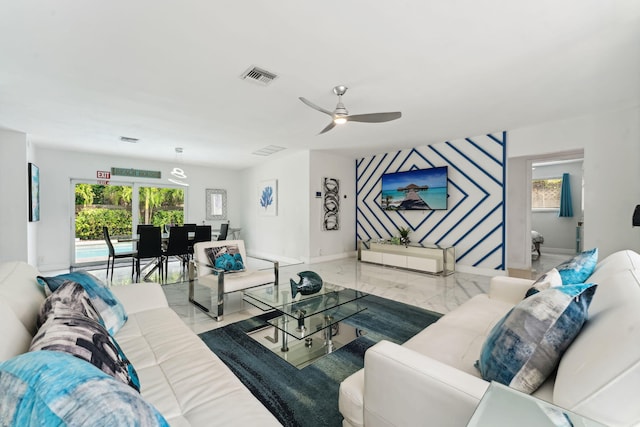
225 258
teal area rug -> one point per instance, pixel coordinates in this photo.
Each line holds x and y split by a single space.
309 396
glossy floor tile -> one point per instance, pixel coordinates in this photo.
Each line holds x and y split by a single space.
435 293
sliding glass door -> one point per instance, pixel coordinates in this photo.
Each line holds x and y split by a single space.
160 206
96 206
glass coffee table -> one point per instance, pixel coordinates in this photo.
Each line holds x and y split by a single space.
306 327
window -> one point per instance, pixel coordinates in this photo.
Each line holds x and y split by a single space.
545 193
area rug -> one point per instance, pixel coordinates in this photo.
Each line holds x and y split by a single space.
309 396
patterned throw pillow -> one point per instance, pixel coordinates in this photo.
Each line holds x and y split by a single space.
550 279
48 388
225 258
579 268
70 296
526 345
81 336
110 309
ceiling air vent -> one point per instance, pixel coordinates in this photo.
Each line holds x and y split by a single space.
259 75
268 150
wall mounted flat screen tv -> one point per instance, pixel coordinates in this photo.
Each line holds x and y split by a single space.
421 189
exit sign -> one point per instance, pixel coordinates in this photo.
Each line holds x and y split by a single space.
103 174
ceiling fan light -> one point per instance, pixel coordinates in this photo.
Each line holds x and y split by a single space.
340 120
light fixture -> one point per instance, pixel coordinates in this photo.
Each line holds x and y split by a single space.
178 173
339 120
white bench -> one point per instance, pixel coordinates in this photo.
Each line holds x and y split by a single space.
223 282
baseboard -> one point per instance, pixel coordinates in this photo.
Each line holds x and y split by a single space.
556 251
460 268
332 257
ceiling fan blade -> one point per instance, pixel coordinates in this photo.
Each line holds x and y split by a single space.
328 128
315 107
375 117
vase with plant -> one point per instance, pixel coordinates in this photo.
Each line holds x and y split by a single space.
404 235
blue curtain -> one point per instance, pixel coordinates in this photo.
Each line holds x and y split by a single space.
566 208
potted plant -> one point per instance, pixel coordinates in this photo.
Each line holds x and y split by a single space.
404 235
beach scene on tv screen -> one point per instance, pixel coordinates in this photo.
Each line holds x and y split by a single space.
422 189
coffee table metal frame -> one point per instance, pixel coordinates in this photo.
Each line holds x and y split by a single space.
324 310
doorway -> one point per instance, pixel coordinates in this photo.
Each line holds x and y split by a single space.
519 218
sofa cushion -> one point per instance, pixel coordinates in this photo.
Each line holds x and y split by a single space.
579 268
550 279
457 337
20 292
599 373
183 378
110 309
51 388
74 333
524 347
227 258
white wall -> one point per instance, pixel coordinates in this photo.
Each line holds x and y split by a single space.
611 143
559 233
14 188
326 245
518 204
57 168
284 237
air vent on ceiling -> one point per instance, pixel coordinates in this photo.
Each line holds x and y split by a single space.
259 75
268 150
129 139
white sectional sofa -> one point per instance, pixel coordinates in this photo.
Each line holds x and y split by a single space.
179 375
431 379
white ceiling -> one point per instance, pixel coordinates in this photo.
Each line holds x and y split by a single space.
79 74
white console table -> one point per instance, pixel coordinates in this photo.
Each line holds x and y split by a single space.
414 256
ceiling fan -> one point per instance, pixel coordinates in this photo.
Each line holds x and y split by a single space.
340 115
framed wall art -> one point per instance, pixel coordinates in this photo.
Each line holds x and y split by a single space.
268 197
330 204
34 193
216 203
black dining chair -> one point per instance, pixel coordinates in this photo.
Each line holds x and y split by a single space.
191 229
113 255
177 246
224 229
203 234
149 246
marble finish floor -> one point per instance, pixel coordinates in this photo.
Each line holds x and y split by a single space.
435 293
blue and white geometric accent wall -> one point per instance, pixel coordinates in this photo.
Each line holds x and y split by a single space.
474 222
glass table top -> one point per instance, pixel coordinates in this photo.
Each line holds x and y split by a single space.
306 314
269 297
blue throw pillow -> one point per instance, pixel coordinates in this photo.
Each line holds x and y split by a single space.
526 345
48 388
579 268
110 309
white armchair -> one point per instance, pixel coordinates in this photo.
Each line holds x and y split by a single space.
223 282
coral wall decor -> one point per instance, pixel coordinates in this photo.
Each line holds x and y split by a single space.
268 197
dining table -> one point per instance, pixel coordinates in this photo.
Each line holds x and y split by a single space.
234 233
